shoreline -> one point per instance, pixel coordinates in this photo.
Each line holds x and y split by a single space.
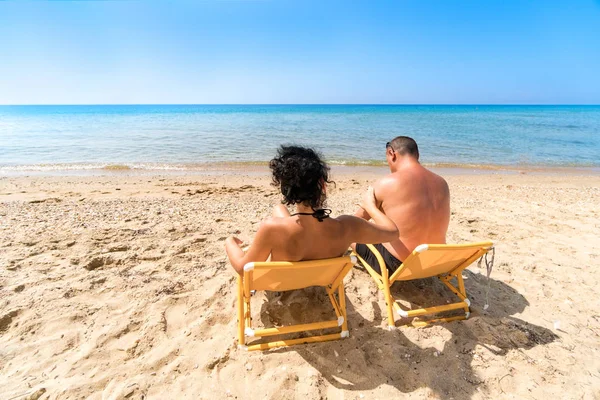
260 168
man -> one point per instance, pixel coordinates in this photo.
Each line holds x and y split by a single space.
416 199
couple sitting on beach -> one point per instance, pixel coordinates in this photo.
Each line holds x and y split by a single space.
408 207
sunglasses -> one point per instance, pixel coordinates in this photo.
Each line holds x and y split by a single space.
389 145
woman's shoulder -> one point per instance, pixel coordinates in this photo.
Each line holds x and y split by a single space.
347 219
276 224
347 223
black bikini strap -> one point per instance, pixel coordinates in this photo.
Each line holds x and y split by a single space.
319 214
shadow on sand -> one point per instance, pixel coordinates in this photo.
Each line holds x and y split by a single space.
374 356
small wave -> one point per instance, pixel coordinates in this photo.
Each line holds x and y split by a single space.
117 167
358 163
49 167
98 166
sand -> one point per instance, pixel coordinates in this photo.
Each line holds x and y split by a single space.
118 287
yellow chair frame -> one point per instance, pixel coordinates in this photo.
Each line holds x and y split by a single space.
282 276
446 261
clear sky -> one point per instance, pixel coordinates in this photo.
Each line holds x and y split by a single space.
245 51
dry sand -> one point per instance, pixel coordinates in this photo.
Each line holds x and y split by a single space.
119 287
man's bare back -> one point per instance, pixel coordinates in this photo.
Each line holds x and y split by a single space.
416 199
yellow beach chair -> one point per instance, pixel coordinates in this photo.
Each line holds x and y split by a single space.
446 261
282 276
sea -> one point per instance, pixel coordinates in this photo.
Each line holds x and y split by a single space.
189 137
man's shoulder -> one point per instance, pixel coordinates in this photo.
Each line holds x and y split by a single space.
439 184
387 181
411 176
387 185
440 180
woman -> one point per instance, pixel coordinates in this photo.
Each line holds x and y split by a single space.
309 233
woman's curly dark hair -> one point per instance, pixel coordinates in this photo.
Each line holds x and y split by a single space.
301 175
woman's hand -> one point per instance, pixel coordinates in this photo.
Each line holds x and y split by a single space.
369 202
236 240
381 230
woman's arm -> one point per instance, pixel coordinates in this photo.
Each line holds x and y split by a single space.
259 249
362 213
381 230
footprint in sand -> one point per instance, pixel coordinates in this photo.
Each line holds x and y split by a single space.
7 319
176 320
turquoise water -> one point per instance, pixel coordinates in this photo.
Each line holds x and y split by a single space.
185 136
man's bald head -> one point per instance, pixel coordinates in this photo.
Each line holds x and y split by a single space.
404 145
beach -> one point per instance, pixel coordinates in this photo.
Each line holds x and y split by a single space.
117 286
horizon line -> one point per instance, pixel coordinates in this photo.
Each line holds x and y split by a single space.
302 104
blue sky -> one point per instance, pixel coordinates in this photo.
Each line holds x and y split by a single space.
244 51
